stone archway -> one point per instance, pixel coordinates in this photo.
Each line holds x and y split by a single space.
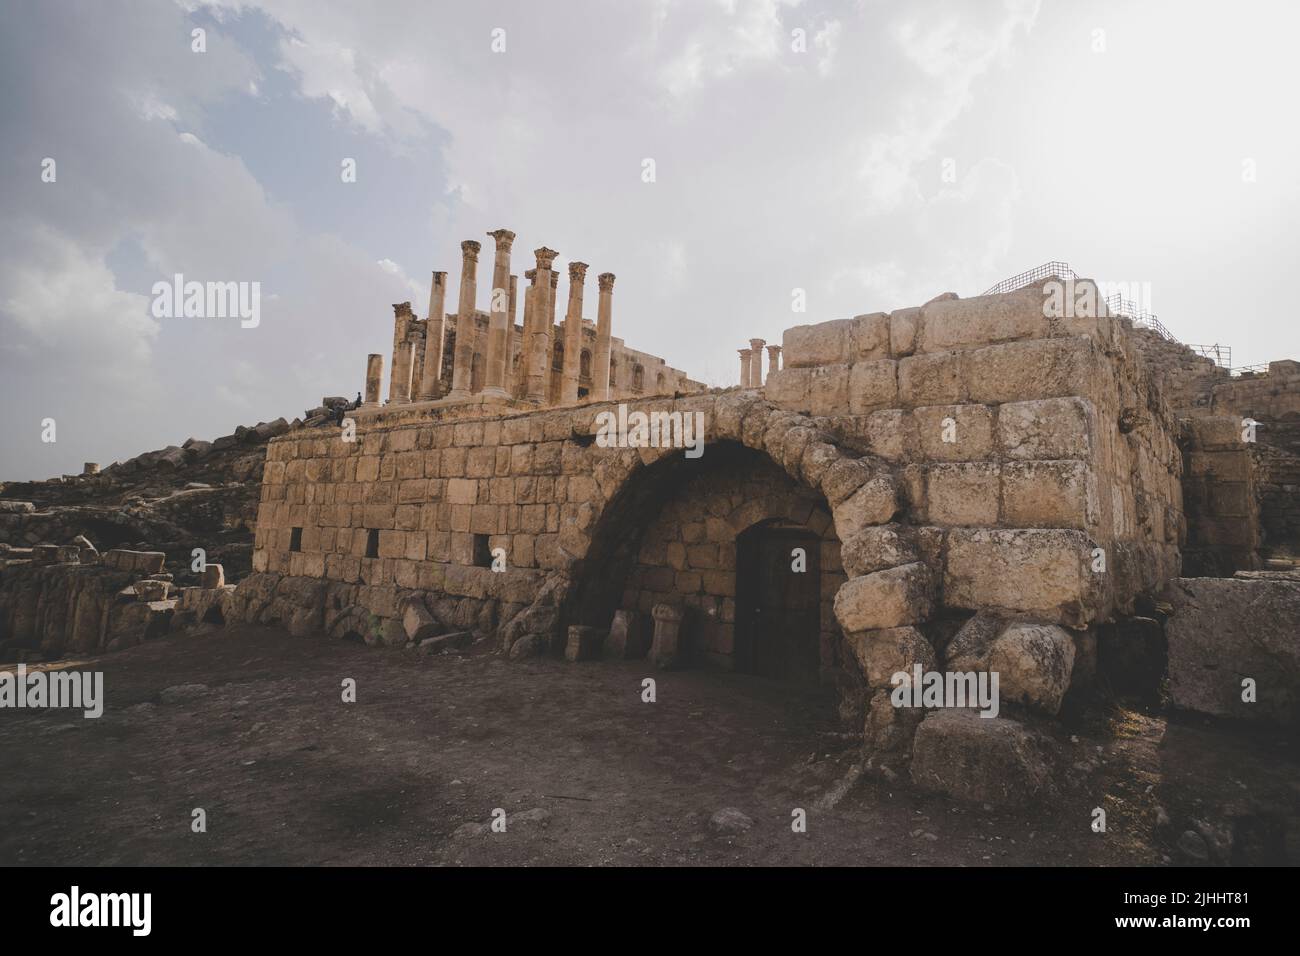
889 581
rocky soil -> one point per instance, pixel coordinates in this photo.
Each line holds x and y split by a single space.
249 725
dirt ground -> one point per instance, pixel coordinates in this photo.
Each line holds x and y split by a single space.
410 774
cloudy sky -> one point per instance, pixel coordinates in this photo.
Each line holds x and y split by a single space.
872 154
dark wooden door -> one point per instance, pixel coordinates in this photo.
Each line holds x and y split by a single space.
780 614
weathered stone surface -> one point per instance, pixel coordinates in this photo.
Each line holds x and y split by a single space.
1052 428
884 653
629 636
584 643
1226 630
876 548
152 590
145 562
418 623
992 760
1034 663
876 502
1048 494
885 599
1045 573
214 576
825 343
666 650
962 323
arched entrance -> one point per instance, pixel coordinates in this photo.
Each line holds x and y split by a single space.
715 538
778 602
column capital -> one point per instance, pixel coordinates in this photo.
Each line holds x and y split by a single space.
606 280
757 344
746 353
531 276
401 308
439 278
545 257
469 249
774 350
504 239
578 271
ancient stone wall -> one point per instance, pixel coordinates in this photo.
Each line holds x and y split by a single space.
1222 507
1000 419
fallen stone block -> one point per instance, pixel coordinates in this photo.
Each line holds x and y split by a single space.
149 590
145 562
1226 631
214 576
992 760
419 624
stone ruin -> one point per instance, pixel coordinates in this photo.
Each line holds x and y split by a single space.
971 485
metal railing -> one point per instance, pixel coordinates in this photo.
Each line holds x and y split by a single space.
1120 306
1048 270
1260 369
1222 354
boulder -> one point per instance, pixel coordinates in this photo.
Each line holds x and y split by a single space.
885 599
418 623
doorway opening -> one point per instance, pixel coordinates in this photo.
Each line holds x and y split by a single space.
778 602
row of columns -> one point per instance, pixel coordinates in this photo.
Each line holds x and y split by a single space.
751 363
417 358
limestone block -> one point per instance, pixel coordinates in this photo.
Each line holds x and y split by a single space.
871 337
828 390
954 432
978 759
876 502
1046 573
1034 369
883 653
904 330
148 590
584 643
844 478
144 562
1224 630
1048 494
874 549
963 323
872 386
885 599
1046 429
825 343
629 636
418 623
933 379
891 434
963 494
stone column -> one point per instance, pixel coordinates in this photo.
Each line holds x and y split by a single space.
431 376
539 342
510 337
463 364
756 368
526 340
604 323
498 328
399 381
374 375
573 335
746 361
773 359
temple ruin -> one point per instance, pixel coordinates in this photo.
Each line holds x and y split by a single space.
966 486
